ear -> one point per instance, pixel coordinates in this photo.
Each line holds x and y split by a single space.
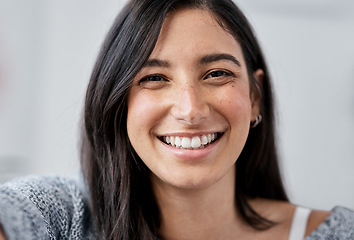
256 94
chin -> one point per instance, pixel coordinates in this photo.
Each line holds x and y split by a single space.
192 181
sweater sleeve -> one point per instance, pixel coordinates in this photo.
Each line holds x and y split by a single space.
44 208
338 226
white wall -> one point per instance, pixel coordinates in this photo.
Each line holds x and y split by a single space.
47 49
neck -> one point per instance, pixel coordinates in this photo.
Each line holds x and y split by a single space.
205 213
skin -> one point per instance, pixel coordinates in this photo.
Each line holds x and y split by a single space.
186 101
195 83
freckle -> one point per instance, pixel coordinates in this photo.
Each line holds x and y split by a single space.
233 85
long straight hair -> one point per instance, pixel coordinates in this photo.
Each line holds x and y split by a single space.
122 201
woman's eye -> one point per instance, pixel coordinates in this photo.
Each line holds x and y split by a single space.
218 77
153 78
153 81
219 73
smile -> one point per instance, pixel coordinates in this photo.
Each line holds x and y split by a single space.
196 142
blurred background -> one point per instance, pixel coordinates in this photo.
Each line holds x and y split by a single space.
48 48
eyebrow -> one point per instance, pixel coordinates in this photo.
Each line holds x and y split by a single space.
156 63
219 57
204 60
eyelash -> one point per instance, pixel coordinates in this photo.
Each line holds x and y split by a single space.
220 73
153 78
212 74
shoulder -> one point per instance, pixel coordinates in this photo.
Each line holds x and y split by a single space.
315 219
43 206
335 224
339 224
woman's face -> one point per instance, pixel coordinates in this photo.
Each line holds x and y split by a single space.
189 108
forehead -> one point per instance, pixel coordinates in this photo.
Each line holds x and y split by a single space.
194 31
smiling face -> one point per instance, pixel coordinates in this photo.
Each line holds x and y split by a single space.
189 107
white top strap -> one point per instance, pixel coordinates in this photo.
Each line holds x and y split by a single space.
299 223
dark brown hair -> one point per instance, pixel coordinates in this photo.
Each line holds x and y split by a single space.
122 201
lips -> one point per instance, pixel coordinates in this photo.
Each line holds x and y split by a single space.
195 142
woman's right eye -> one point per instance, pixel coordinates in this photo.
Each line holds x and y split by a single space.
153 81
153 78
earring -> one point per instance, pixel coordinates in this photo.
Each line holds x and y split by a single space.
257 121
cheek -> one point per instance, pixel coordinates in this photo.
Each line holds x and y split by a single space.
142 115
137 112
236 109
235 104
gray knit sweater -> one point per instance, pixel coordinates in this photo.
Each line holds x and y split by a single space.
56 208
45 208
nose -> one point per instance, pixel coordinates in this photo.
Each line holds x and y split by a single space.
190 105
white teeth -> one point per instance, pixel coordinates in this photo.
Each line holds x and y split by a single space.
204 139
178 142
196 142
172 140
186 142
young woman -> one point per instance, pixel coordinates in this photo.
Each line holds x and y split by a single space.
178 140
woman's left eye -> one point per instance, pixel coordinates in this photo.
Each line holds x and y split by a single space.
218 73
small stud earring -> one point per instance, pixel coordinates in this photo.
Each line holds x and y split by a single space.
257 121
